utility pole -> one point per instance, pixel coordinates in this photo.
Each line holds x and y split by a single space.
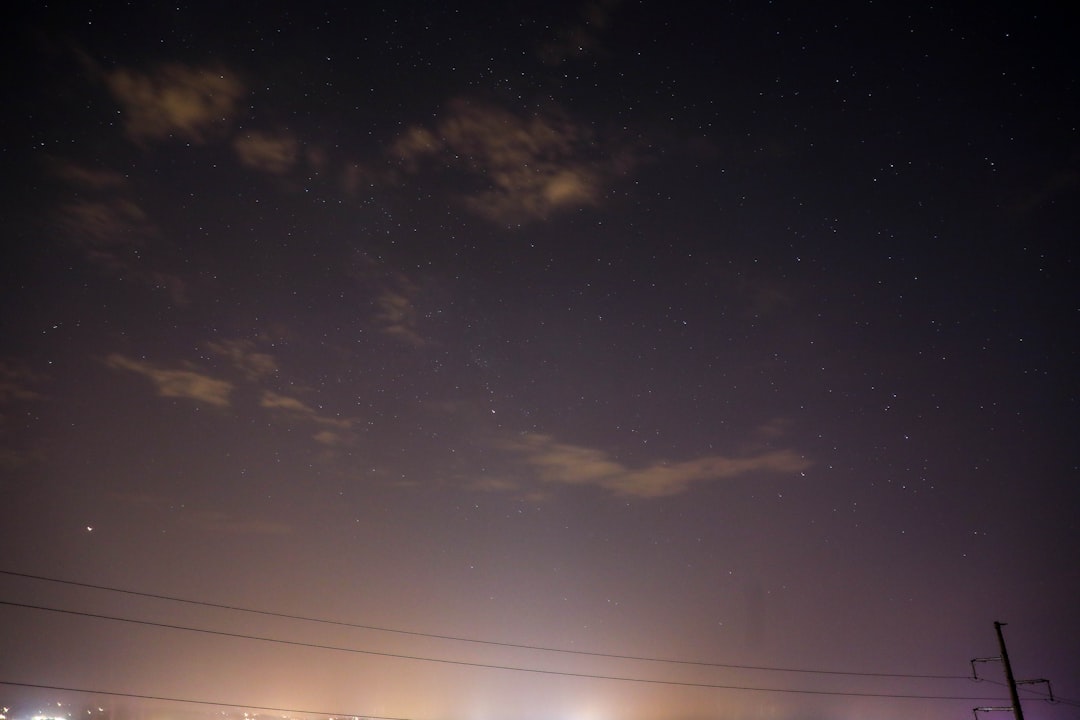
1018 712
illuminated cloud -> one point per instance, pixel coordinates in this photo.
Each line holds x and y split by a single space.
114 234
277 401
774 428
109 230
357 178
1048 190
195 522
393 295
332 431
330 438
414 144
186 384
112 230
493 484
531 167
89 178
17 387
274 153
16 384
173 285
397 315
175 102
245 357
580 38
568 464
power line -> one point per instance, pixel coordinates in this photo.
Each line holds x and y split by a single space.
163 698
1035 694
490 666
454 638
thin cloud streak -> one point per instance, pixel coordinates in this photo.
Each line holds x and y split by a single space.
582 38
568 464
274 153
397 315
186 384
175 102
394 297
532 167
246 358
113 231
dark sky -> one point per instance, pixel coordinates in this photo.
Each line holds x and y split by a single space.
578 361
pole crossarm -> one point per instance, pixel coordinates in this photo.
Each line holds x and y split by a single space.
974 670
1040 681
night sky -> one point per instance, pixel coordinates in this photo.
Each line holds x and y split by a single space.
540 360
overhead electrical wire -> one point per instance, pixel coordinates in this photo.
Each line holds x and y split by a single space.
495 643
1035 694
325 621
492 666
239 706
214 703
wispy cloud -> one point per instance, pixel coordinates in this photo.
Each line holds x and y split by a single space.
393 295
175 102
87 177
568 464
246 357
397 315
1060 183
195 521
414 144
274 153
331 438
112 230
17 383
357 179
18 386
331 430
256 368
187 384
531 167
278 401
580 38
109 229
